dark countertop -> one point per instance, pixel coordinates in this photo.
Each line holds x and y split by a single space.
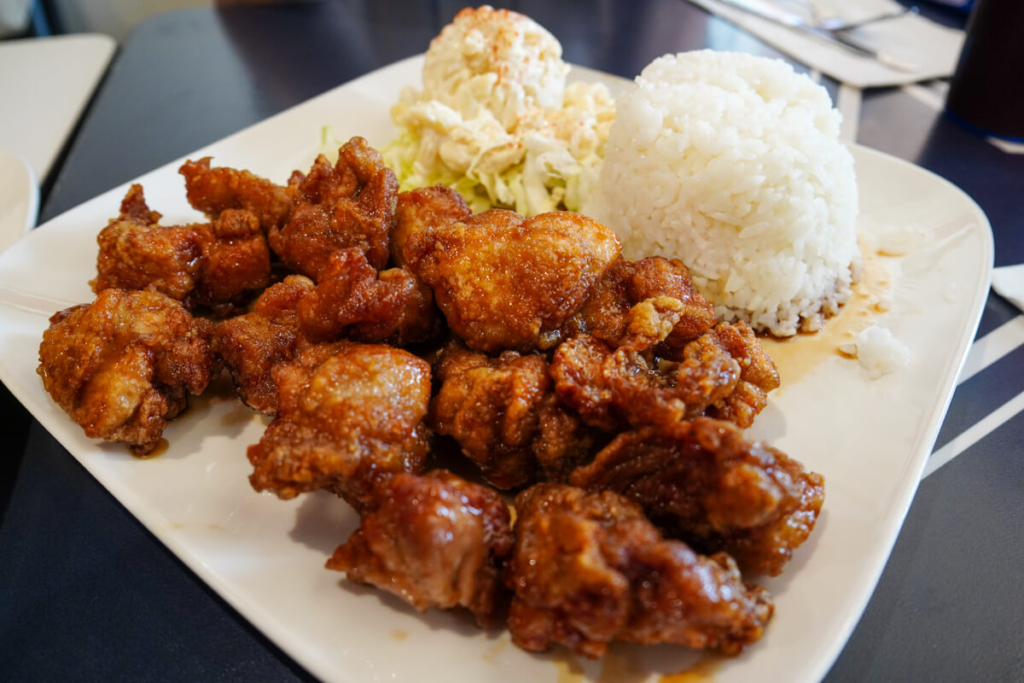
86 593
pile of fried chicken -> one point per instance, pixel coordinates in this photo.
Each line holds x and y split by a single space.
603 391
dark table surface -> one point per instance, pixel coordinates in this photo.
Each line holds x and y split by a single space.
86 593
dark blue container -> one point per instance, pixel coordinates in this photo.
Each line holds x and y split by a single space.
987 90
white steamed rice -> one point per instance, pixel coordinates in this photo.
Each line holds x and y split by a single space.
732 163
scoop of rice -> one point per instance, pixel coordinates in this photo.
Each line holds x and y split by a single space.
732 163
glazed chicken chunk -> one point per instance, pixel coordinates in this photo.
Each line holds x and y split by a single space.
354 301
235 258
725 372
605 315
704 482
507 282
346 414
589 568
506 417
124 365
421 209
758 374
435 541
251 345
216 190
136 253
349 204
204 264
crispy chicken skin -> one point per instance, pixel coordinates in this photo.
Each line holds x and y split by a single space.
252 344
725 372
705 482
505 416
589 568
354 301
605 315
350 204
506 282
204 264
215 190
346 414
435 541
124 365
424 208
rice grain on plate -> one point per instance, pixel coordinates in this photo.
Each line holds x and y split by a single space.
878 351
733 164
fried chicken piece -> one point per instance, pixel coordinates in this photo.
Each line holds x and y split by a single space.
490 407
758 374
704 482
630 385
251 345
434 541
351 204
725 372
562 442
235 258
124 365
346 414
505 416
353 301
647 389
507 282
136 253
215 190
655 277
135 209
205 264
589 568
605 315
578 372
421 209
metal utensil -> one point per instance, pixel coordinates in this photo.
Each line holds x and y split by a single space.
834 24
777 15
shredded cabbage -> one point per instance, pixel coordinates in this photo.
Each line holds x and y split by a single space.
547 178
550 161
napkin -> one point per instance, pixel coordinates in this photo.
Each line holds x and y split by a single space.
934 48
1008 282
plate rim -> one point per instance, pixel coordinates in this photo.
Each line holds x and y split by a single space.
922 449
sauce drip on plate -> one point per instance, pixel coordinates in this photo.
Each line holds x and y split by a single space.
701 672
161 448
800 355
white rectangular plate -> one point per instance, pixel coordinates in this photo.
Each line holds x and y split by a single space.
869 438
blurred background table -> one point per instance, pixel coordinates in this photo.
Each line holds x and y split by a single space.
86 593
